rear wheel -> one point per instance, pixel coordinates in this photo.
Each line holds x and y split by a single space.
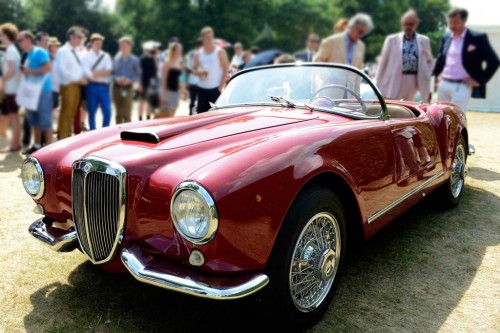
307 258
452 190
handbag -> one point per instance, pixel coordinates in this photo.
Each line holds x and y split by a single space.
29 91
152 94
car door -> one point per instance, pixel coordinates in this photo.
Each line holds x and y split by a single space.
416 151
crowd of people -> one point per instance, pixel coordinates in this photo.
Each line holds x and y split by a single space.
71 82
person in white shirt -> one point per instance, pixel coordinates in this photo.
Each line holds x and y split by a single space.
98 67
212 66
71 77
11 79
237 57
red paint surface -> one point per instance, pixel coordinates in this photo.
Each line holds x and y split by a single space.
239 153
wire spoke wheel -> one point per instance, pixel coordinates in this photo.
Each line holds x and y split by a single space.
315 261
458 171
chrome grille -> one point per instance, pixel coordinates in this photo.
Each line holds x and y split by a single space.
98 195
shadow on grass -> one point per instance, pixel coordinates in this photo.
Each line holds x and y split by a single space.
407 278
11 162
483 174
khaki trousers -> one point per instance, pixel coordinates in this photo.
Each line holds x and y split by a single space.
70 100
122 98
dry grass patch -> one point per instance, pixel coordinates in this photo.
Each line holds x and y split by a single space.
430 271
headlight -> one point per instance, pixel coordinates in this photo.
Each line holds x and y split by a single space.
194 213
32 177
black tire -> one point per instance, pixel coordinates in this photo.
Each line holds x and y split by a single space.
316 206
451 192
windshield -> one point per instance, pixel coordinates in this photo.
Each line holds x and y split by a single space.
322 87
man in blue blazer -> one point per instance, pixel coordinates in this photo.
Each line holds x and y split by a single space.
465 63
308 54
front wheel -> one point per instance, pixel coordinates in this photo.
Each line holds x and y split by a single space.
451 191
307 259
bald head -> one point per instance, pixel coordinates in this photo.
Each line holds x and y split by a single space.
410 22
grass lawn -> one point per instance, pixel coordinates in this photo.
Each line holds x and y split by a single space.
430 271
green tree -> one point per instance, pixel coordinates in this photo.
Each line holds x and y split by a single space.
13 11
56 16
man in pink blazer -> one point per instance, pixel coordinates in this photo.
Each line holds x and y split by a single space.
406 62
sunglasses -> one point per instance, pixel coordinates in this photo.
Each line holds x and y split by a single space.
313 40
20 40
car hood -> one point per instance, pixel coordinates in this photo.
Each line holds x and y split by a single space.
185 131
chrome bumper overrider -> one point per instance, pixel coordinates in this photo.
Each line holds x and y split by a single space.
146 269
57 239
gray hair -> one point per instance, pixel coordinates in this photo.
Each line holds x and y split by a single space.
410 12
361 19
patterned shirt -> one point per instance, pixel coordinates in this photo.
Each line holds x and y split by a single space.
410 55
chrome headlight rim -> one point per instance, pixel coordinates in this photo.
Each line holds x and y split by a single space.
41 176
214 216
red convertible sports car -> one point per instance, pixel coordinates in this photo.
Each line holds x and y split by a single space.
265 193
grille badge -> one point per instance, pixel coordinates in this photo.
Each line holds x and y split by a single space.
87 167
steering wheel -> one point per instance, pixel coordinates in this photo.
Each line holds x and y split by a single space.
338 86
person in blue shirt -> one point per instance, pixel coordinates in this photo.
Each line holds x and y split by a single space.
37 68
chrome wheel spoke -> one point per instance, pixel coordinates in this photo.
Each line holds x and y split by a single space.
310 279
457 176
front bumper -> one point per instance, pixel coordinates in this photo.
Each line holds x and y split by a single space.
57 239
151 270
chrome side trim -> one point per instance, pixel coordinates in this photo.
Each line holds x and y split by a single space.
187 286
64 243
404 197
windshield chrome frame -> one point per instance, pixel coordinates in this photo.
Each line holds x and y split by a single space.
383 115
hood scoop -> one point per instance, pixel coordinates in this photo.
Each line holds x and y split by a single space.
172 127
141 135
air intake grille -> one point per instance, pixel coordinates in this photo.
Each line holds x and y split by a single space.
98 194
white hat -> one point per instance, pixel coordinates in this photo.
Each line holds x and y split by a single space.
149 45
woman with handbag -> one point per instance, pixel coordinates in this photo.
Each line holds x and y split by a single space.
37 71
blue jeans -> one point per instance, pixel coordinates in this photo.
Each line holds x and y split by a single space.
98 95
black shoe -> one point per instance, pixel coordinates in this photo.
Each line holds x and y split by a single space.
31 150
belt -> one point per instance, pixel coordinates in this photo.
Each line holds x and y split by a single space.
99 83
409 72
122 85
454 81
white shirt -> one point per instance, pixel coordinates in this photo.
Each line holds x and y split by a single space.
55 78
11 54
211 63
105 64
69 69
161 58
193 80
237 60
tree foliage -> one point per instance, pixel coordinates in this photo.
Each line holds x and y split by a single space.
282 24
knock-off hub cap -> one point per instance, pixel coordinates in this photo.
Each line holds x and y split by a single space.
327 264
